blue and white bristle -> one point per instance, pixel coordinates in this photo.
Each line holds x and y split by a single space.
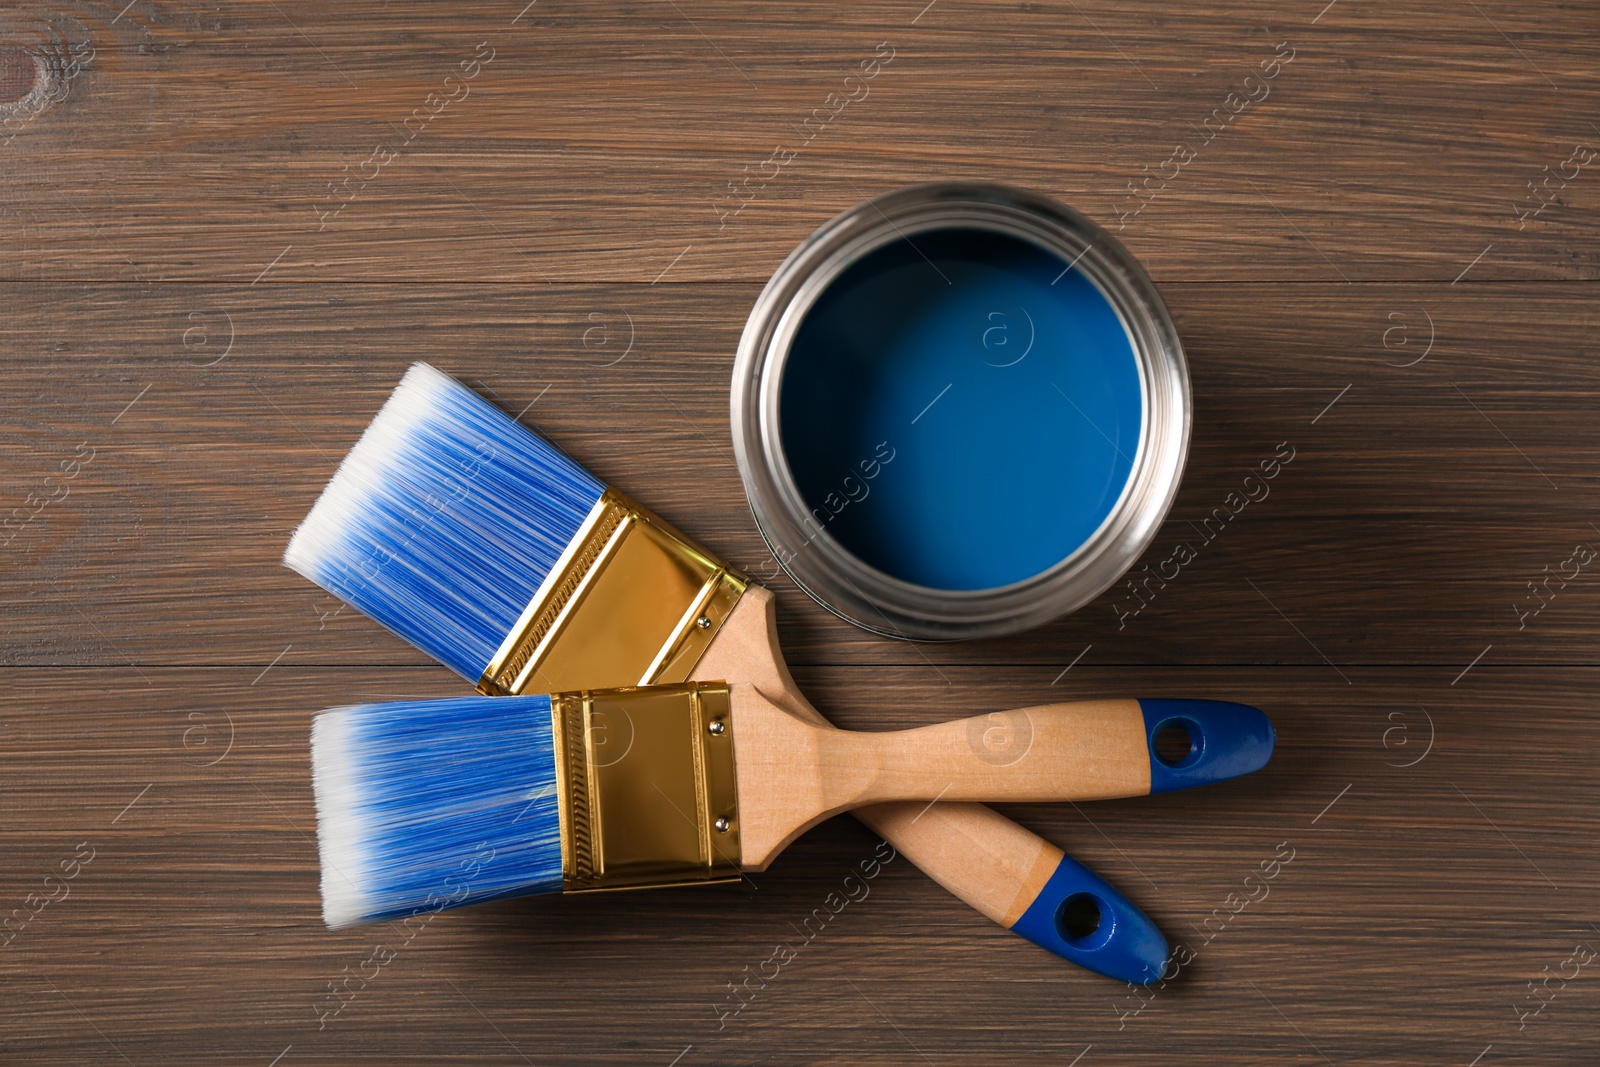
443 520
430 804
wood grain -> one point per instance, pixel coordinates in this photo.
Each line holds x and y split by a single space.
794 773
598 145
193 339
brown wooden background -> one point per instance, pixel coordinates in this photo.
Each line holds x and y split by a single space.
172 308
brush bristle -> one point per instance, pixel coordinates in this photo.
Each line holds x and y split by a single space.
443 520
431 804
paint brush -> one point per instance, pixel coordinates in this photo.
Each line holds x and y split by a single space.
498 555
433 803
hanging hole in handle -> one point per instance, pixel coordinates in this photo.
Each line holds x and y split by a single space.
1177 742
1083 921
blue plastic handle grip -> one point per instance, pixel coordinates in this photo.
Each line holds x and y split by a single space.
1225 741
1080 917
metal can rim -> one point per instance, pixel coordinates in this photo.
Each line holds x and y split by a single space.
866 596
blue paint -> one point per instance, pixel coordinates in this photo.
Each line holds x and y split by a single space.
958 412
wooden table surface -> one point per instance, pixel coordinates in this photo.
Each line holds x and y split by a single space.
227 228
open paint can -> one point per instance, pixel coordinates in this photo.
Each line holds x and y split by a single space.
960 410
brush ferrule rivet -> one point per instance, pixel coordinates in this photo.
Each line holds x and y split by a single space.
722 824
716 726
704 622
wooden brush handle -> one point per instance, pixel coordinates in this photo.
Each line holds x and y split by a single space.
1089 750
793 773
1000 869
1025 884
1092 750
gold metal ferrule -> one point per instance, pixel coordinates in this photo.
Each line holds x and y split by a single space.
630 602
646 784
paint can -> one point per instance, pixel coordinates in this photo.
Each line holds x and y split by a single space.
959 410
